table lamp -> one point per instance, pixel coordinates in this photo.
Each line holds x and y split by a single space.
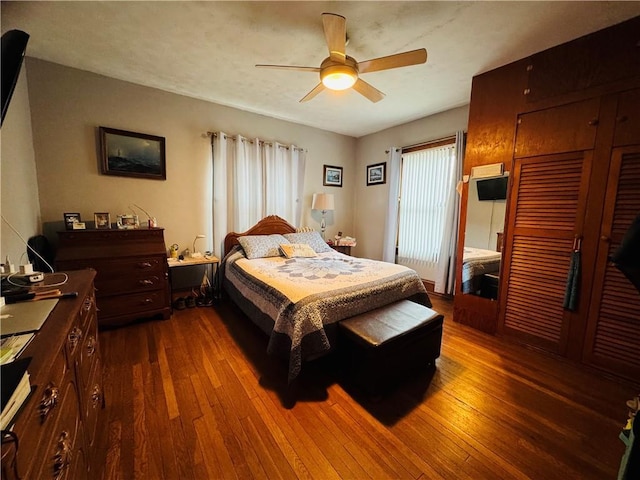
194 254
323 202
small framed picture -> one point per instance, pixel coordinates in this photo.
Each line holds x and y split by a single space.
103 220
70 219
128 222
332 176
377 174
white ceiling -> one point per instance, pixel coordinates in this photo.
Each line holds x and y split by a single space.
208 50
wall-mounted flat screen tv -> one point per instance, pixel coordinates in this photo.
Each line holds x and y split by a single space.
14 44
492 188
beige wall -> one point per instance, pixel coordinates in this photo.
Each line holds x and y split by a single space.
20 202
371 202
68 105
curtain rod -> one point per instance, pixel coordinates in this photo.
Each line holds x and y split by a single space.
425 144
262 142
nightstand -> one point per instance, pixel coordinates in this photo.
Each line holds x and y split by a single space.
346 249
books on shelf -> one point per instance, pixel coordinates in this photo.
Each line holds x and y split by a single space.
15 389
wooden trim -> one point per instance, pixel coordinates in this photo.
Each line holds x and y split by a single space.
427 145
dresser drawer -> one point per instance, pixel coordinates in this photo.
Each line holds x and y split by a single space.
52 402
93 403
131 304
87 356
60 455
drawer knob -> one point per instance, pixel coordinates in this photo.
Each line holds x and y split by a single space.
144 264
49 401
91 345
74 337
62 457
147 301
96 397
146 281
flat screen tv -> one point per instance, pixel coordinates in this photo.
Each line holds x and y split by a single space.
14 44
492 188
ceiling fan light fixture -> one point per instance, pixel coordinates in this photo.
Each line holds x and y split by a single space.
338 77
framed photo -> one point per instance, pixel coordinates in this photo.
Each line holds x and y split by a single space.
70 219
377 174
130 154
103 220
128 222
332 176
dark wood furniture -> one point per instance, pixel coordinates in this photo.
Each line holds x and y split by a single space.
132 274
566 123
384 346
346 249
60 426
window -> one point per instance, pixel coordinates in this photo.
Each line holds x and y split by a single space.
425 188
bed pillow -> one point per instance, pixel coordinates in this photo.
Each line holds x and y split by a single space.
297 250
262 246
313 239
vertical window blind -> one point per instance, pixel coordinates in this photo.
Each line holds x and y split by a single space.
425 186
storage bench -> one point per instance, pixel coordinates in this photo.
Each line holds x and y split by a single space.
381 347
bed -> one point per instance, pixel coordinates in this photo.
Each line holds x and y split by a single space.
475 263
299 301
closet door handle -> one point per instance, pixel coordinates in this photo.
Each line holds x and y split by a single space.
605 238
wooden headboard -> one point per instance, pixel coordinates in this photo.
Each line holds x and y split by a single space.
266 226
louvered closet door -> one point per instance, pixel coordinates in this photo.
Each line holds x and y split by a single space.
613 329
546 217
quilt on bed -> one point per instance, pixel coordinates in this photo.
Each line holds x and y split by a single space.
475 263
302 296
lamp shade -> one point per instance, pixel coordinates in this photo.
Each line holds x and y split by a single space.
322 201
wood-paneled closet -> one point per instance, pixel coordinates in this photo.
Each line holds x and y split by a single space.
567 126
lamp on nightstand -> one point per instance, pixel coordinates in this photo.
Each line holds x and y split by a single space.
194 254
323 202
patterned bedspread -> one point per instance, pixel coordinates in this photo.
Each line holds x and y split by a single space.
304 297
475 263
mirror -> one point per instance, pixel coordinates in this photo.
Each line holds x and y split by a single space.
486 206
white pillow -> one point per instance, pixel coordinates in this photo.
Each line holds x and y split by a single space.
313 239
262 246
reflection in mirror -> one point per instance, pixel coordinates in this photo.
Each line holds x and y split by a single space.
486 206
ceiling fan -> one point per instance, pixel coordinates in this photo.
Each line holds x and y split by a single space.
339 71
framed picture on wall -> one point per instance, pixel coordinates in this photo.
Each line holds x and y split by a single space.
377 174
130 154
332 176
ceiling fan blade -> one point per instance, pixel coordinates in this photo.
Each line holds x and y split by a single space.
335 32
365 89
291 67
318 88
414 57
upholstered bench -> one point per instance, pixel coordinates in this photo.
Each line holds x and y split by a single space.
383 346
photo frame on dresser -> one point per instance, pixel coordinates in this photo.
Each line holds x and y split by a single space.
102 220
70 219
131 154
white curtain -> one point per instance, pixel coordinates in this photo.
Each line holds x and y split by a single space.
391 224
284 181
253 179
445 272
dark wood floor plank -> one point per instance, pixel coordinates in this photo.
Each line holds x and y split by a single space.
198 397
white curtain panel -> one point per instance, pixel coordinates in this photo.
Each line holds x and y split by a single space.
445 271
252 179
391 225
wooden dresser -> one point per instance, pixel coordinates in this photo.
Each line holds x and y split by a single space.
61 425
132 274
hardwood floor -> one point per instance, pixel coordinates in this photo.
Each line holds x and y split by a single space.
197 397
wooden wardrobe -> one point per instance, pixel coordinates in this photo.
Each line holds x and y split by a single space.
566 123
